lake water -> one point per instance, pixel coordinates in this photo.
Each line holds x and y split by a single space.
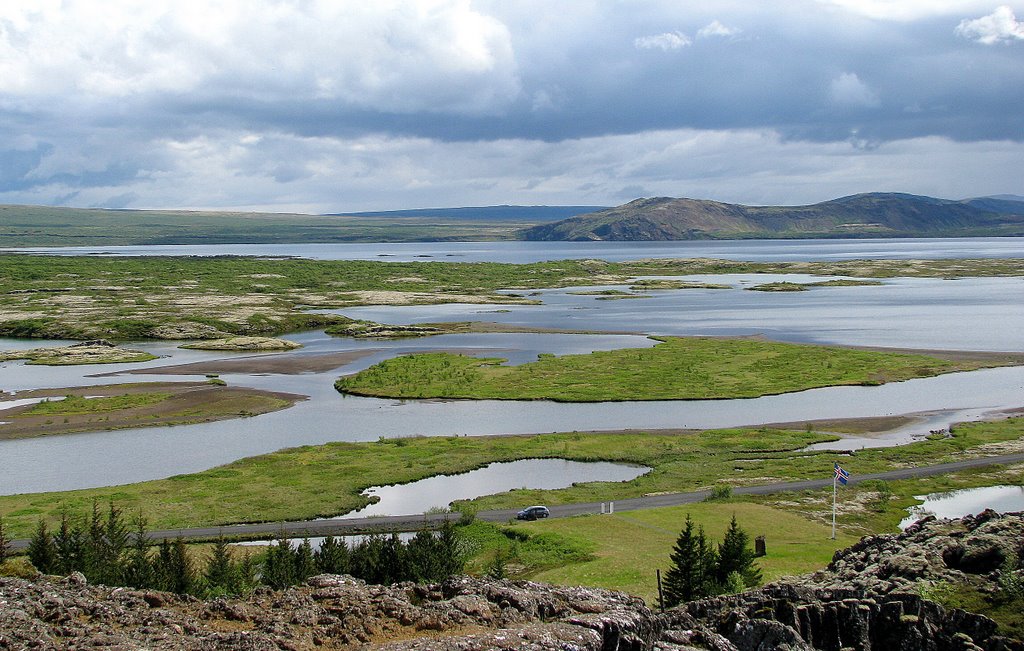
754 250
970 501
966 314
439 492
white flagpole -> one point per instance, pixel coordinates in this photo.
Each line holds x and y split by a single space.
835 475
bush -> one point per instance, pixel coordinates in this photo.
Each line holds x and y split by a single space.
719 492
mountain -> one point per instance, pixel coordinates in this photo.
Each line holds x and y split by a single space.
861 215
22 226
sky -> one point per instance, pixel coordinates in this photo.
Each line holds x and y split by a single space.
337 106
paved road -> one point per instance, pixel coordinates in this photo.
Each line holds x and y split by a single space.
414 522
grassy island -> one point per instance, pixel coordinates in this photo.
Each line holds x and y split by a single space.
676 369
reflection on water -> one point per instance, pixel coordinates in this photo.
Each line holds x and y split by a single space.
440 491
957 504
520 252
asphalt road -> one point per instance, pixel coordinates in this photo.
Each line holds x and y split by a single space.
351 526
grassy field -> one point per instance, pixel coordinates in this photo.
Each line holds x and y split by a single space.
627 548
85 297
58 226
326 480
691 368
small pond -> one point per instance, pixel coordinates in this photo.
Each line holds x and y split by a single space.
316 541
957 504
438 492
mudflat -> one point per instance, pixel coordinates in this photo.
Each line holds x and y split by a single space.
147 404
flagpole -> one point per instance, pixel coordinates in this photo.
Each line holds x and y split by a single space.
835 476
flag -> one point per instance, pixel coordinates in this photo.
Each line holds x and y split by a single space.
841 475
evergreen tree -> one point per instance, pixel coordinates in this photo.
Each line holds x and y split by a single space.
393 561
244 577
425 557
452 549
365 559
305 563
95 552
70 546
139 571
163 570
735 555
182 573
115 547
220 569
333 556
693 563
41 550
279 565
5 542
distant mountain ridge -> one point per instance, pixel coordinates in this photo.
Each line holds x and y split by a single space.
876 214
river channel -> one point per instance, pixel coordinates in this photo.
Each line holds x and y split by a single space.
964 314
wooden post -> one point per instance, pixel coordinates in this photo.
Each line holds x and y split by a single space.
661 594
760 549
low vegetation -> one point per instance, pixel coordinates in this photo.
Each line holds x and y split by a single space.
83 353
675 369
81 297
145 404
327 480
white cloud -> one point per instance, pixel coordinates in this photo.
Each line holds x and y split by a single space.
667 41
848 90
999 26
907 10
390 55
715 28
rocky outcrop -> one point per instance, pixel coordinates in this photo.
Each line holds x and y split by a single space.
243 344
867 599
97 351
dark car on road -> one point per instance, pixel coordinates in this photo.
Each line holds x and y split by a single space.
533 512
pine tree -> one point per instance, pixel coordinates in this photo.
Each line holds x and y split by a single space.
452 549
305 563
279 565
70 546
243 579
163 571
365 559
333 556
693 563
393 561
735 555
425 557
115 538
220 569
41 550
5 542
182 573
139 571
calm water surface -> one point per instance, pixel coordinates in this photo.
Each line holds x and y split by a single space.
967 314
440 491
754 250
970 501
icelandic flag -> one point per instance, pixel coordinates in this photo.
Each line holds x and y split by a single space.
841 475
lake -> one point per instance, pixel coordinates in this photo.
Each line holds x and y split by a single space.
520 252
965 314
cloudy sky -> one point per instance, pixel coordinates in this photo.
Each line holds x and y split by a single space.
328 106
